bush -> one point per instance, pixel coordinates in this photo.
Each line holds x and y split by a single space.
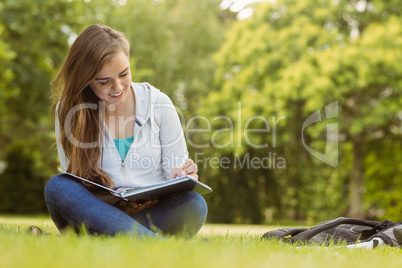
21 186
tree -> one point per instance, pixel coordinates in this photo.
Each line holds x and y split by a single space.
6 75
172 52
292 58
34 42
21 184
366 78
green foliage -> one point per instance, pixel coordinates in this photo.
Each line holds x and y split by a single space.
35 37
382 199
6 75
291 59
21 183
172 52
32 30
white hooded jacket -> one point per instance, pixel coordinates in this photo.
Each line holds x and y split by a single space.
158 144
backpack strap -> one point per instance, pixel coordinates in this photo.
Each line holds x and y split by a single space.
282 232
389 232
379 227
324 226
398 234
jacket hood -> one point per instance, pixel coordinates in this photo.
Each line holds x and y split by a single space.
145 99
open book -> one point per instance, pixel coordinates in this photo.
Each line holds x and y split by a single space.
156 191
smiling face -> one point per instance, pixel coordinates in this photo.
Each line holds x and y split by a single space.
113 82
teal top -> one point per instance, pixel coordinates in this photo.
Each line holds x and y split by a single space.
123 145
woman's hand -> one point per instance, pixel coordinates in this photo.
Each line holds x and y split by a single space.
189 168
132 206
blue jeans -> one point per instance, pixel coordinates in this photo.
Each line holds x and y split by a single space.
70 203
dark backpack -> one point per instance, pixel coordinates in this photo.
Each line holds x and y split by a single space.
343 230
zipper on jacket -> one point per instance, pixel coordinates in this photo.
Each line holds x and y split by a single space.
123 165
123 170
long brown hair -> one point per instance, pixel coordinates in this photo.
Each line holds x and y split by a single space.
95 46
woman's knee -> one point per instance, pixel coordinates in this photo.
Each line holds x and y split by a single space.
197 204
57 185
195 213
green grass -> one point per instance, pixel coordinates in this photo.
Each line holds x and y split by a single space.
228 246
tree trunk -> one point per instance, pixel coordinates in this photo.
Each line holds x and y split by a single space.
357 181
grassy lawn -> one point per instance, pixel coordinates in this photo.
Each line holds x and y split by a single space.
228 246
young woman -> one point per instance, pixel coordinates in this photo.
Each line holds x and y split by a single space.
119 134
